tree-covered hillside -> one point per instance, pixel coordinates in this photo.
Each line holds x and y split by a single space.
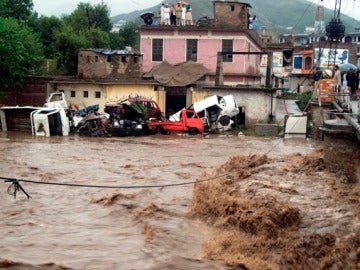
278 14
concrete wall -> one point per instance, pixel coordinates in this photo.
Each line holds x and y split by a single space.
99 66
108 93
120 92
79 89
257 103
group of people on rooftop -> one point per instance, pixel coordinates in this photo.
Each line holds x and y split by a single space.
179 14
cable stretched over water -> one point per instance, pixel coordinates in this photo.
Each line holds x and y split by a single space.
16 186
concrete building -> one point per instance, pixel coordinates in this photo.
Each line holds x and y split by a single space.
109 64
228 32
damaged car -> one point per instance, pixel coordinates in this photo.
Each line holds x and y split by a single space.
126 120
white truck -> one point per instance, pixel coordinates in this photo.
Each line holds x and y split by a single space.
52 119
215 111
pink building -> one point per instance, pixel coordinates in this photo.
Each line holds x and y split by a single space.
227 32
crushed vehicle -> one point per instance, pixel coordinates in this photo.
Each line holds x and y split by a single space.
145 106
128 117
88 122
53 119
189 122
94 125
125 120
215 111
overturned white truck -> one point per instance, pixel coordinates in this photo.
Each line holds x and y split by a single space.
216 112
51 120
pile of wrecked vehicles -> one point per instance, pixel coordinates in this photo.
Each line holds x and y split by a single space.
133 117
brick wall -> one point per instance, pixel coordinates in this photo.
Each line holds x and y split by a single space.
113 66
32 93
231 14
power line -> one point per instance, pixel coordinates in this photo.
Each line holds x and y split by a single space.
16 186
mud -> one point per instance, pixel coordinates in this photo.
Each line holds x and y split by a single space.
260 203
293 212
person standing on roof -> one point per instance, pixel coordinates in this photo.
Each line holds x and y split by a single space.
173 15
183 14
162 14
188 16
254 23
178 13
167 12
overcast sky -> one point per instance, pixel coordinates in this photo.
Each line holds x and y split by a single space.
58 8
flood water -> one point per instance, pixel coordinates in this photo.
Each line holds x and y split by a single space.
63 227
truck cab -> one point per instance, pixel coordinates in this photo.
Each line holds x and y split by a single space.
189 122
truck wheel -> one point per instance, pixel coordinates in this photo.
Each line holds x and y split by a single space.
193 131
224 120
161 130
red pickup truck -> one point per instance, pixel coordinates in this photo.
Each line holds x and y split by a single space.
189 122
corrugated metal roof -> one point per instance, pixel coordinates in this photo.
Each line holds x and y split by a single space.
114 52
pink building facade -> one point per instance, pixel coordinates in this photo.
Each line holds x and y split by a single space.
178 45
228 32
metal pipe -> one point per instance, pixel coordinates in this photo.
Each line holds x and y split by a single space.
348 118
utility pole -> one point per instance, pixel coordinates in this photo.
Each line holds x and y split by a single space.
335 30
219 78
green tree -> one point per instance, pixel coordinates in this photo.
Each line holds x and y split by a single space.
101 17
18 9
67 42
130 34
116 41
86 16
20 52
97 38
46 27
86 27
79 19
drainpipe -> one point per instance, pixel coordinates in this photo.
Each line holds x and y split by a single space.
268 83
268 69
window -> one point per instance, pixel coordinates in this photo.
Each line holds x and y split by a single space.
298 62
287 58
308 63
86 94
136 59
96 58
191 49
109 58
227 46
232 7
88 59
97 94
123 59
72 93
157 50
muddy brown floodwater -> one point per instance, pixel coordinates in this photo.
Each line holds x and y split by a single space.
271 203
